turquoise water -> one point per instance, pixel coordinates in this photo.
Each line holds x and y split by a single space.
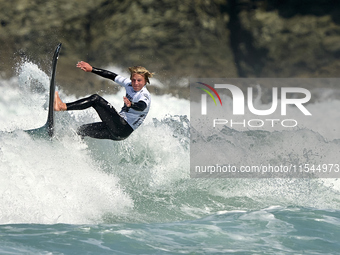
275 230
74 196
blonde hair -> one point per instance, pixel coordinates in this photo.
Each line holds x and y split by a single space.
142 71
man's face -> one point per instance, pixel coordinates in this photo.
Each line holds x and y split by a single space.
137 82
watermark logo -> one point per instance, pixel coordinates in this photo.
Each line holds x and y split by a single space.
239 99
204 96
243 104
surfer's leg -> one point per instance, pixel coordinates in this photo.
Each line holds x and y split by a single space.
112 121
97 130
104 109
82 104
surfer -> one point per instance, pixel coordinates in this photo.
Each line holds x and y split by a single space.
114 125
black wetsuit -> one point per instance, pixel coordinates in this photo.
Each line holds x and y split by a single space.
113 125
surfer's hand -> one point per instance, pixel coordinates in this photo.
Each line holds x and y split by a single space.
84 66
127 102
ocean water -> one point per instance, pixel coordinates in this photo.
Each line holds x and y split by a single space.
84 196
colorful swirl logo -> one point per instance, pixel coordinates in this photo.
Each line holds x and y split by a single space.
209 93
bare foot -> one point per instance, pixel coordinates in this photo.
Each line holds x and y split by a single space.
58 104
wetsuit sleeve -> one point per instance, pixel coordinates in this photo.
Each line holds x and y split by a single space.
104 73
139 106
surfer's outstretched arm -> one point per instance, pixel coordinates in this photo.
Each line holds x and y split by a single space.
101 72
